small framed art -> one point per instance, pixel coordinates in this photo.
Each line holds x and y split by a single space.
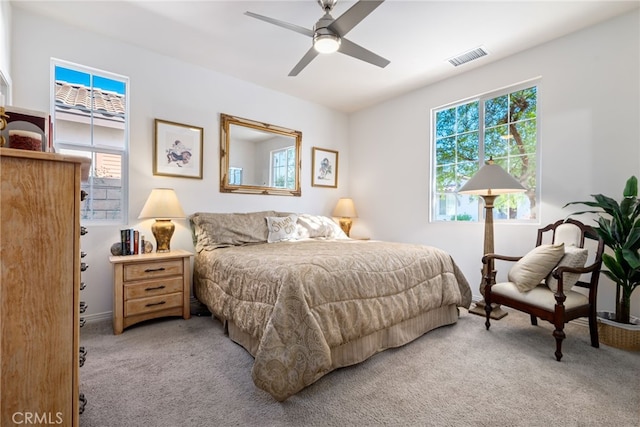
325 168
177 150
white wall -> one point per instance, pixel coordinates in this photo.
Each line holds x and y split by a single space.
589 110
162 87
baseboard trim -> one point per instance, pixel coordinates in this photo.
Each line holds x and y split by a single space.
97 317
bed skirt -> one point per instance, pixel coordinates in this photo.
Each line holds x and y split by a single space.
361 349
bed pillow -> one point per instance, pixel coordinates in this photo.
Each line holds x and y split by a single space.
318 226
282 228
221 230
532 268
573 257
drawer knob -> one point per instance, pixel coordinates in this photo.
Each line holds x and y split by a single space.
151 304
151 270
155 288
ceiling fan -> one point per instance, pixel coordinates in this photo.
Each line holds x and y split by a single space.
328 33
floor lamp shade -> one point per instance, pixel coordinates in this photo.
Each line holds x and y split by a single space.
491 179
345 210
489 182
163 205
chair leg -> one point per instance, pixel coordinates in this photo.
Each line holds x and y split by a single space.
487 309
593 331
559 336
534 320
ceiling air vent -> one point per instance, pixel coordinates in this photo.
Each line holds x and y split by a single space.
468 56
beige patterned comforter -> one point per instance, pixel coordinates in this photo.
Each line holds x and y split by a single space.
300 299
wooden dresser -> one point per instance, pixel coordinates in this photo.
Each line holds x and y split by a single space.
39 287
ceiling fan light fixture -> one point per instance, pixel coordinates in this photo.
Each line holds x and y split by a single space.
326 43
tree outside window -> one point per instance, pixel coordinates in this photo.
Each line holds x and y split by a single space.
498 126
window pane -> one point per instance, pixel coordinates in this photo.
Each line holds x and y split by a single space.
509 136
89 119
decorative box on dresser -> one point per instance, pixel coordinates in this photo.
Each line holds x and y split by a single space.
148 286
39 286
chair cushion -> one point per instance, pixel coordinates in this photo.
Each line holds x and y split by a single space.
573 257
540 296
532 268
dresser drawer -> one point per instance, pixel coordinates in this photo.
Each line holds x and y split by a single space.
151 269
150 288
151 304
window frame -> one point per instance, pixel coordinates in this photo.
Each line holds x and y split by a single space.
92 148
481 99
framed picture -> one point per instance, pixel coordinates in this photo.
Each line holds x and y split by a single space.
177 150
325 168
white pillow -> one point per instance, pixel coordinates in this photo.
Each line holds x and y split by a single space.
315 226
282 228
573 257
532 268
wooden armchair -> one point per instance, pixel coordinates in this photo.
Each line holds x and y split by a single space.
562 304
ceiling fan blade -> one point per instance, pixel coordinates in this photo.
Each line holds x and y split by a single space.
292 27
352 17
350 48
306 59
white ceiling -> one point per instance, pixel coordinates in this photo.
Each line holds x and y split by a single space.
417 36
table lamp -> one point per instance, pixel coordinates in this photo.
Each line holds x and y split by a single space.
490 182
163 205
345 210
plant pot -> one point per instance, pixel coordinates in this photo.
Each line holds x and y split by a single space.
618 335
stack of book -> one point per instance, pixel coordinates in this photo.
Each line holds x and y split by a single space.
131 242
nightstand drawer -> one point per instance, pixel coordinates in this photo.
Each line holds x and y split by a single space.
150 288
150 269
150 304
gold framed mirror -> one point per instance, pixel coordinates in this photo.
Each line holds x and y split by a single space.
259 158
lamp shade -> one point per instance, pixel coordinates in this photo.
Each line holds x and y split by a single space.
345 209
162 203
491 179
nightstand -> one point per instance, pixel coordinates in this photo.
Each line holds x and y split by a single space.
148 286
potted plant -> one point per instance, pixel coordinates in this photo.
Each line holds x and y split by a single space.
619 227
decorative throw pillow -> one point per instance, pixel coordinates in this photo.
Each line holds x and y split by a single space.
282 228
573 257
532 268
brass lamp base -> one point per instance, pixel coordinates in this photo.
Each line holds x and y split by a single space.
162 230
345 224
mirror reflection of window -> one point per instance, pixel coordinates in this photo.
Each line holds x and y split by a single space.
283 168
235 176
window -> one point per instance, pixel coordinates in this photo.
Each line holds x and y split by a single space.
283 168
502 126
90 119
235 176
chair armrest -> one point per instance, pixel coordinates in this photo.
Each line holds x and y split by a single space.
579 270
489 257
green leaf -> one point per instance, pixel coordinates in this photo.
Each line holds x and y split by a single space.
631 187
633 239
616 272
631 257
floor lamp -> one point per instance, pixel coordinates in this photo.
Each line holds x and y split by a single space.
490 182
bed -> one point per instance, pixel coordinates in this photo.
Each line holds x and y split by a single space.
303 299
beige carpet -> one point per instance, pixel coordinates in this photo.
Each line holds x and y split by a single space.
177 372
